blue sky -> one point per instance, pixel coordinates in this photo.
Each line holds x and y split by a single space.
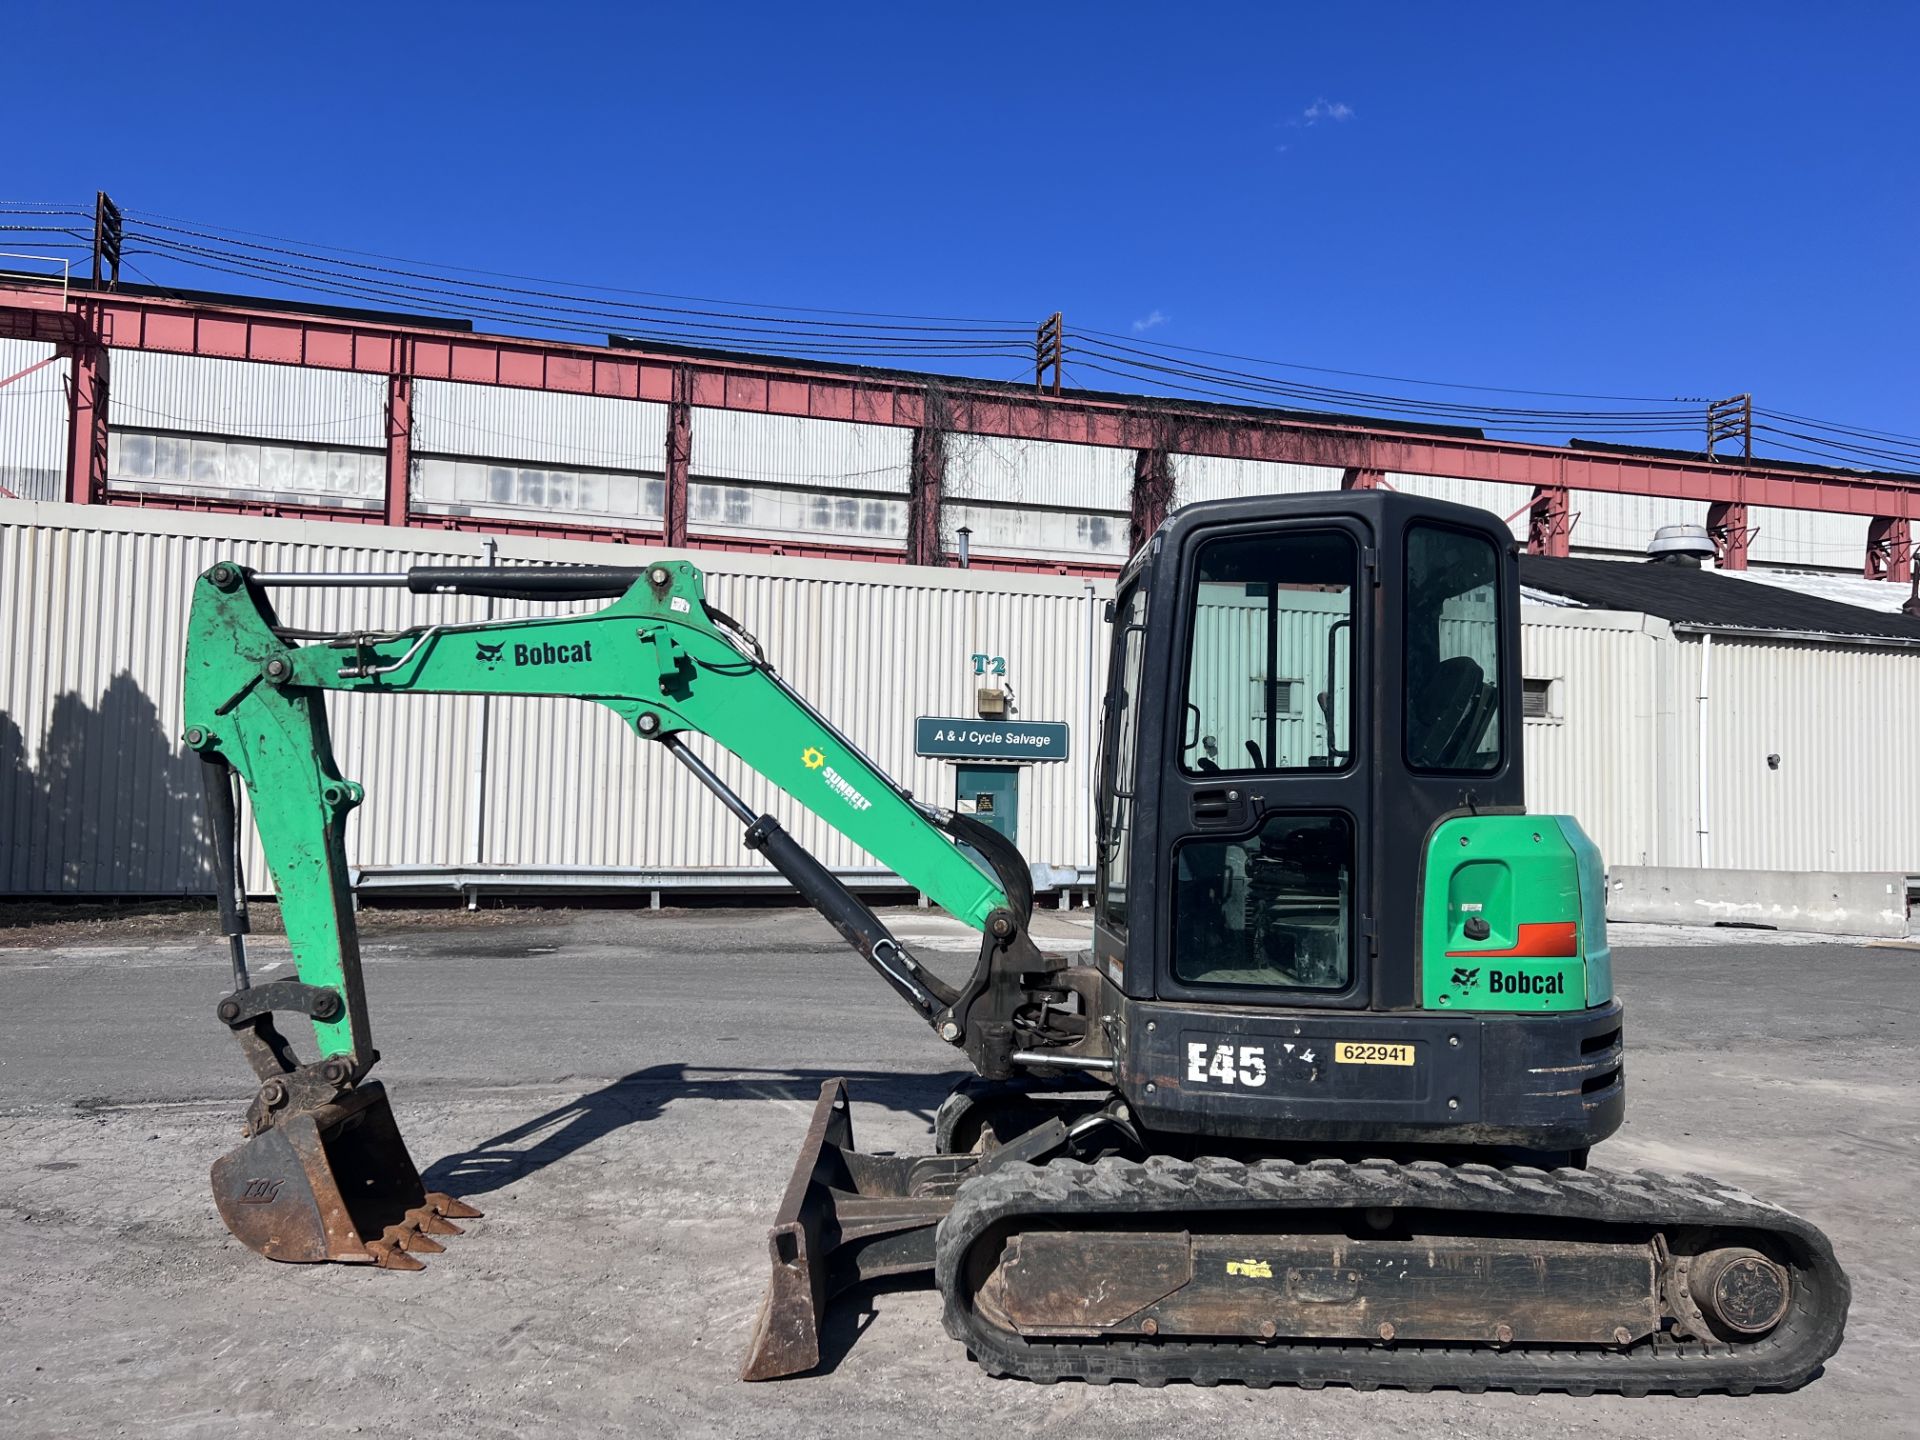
1674 200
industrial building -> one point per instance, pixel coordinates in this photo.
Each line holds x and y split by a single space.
953 540
1680 731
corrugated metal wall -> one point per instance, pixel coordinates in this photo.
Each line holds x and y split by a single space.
149 390
990 470
499 422
1846 795
97 795
33 422
1594 758
1211 477
794 450
1807 537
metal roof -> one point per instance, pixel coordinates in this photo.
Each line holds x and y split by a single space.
1707 600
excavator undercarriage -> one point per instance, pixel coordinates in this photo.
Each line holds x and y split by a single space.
1366 1273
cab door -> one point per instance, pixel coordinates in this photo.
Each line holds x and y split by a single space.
1265 782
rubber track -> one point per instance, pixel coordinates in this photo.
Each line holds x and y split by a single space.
1059 1194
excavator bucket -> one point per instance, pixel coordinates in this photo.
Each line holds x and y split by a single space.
334 1183
846 1217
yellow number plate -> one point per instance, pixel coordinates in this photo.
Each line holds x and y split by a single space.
1351 1052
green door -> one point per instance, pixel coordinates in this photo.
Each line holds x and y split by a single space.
991 795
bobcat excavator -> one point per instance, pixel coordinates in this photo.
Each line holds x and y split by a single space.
1315 1108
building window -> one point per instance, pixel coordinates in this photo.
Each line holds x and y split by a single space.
261 471
1540 699
465 487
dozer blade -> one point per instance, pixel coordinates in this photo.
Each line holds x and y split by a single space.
333 1183
846 1217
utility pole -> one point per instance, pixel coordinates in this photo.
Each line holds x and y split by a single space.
106 240
1730 419
1049 349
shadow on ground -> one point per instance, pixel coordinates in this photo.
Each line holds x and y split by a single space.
501 1160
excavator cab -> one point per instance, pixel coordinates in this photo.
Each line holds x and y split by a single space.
1312 833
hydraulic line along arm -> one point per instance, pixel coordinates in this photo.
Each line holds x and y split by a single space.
663 661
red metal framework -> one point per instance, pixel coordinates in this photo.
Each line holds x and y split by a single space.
84 324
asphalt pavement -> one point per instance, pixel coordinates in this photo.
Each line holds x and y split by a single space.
623 1093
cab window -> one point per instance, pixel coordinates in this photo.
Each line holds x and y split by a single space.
1272 910
1121 734
1269 684
1452 650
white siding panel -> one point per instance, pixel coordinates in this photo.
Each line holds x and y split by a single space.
33 422
990 469
98 796
147 390
1488 495
795 450
1606 523
1813 539
499 422
1846 795
1213 477
1596 762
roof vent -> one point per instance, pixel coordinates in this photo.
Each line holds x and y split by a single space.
1681 545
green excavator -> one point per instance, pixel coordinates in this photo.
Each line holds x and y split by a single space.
1317 1105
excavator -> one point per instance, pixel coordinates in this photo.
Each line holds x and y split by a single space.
1316 1106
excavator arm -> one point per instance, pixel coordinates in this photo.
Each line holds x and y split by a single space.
670 666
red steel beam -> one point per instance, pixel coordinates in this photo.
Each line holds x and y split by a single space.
399 447
784 387
926 486
87 425
679 457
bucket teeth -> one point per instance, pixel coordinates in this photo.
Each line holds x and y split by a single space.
413 1235
442 1204
390 1254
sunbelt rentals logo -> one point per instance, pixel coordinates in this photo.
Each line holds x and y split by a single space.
814 759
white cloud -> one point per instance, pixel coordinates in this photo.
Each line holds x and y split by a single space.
1325 109
1152 320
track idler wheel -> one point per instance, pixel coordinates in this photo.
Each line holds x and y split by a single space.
334 1183
1739 1292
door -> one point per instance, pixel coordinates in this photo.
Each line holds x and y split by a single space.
1264 785
991 795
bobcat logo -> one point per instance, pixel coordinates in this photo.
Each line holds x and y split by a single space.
488 655
1465 979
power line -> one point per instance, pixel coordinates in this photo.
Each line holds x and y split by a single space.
1368 375
539 280
441 290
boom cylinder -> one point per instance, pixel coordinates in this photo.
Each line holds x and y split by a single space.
822 889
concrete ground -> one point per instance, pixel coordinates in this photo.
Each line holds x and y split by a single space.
623 1094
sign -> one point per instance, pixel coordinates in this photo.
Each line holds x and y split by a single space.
962 738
